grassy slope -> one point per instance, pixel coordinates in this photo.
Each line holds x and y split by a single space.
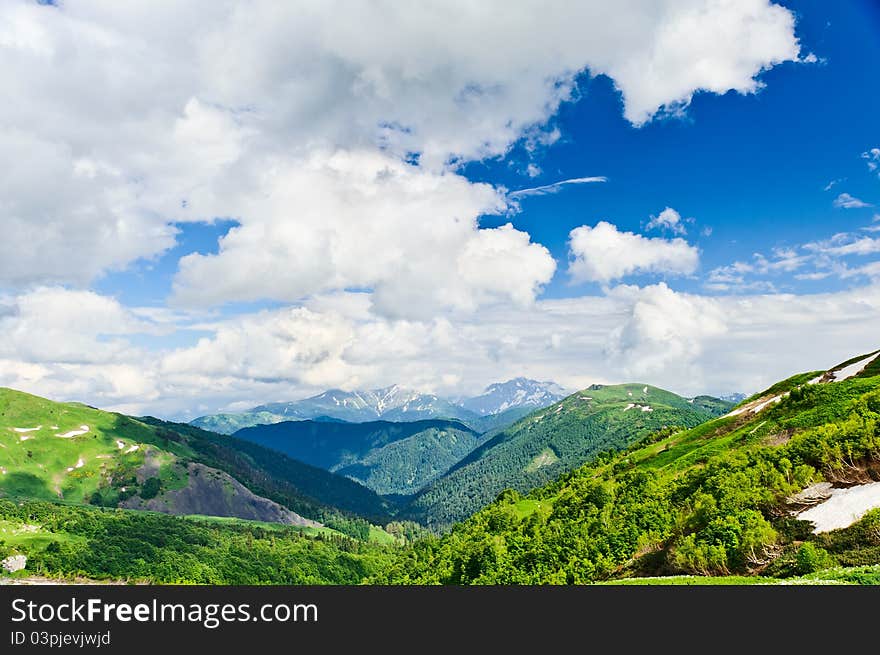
550 441
39 466
390 458
697 498
45 466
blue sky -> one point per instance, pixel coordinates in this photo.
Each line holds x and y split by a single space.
261 205
753 168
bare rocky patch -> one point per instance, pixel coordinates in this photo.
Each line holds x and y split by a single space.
215 493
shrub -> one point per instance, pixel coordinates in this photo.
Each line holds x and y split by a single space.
810 558
150 488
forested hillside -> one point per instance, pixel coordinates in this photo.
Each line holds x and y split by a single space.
553 440
390 458
68 541
718 499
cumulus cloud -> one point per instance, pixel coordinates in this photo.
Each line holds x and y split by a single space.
68 327
603 253
684 342
846 201
338 157
201 107
75 345
363 219
670 220
651 80
663 331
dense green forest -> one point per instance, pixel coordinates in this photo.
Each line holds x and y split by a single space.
553 440
69 541
713 500
389 458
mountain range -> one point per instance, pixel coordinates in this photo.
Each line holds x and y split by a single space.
501 403
438 471
783 486
554 440
614 482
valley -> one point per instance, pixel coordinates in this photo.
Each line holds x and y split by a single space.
623 483
389 458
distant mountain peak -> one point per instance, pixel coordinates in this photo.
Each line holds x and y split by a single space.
517 392
394 403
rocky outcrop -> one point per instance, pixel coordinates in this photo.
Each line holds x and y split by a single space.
215 493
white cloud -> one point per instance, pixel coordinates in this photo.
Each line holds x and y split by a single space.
337 155
555 187
816 260
663 331
76 345
842 245
362 219
199 107
832 184
56 325
684 342
872 159
829 253
669 219
651 79
603 253
871 270
846 201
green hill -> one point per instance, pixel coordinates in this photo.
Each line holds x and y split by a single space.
77 454
387 457
550 441
719 499
308 489
73 541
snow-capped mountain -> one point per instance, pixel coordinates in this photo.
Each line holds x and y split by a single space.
519 392
498 405
392 403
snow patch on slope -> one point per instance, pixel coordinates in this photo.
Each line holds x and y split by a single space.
844 507
83 429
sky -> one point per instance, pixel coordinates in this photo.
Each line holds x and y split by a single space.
213 205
